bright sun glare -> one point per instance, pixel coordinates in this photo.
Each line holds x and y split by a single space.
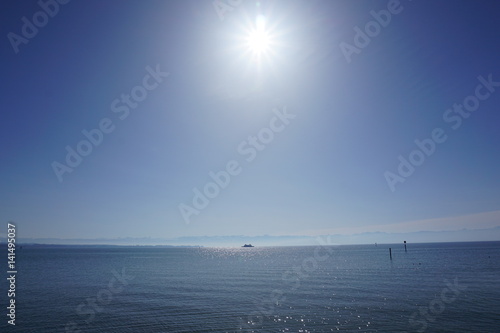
257 42
258 39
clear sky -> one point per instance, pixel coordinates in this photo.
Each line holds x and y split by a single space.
305 106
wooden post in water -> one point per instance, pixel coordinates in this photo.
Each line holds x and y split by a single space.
405 246
390 253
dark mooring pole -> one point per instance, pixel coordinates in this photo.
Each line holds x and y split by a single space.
405 246
390 253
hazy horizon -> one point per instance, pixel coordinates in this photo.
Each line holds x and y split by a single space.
464 235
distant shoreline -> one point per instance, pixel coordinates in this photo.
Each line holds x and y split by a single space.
379 245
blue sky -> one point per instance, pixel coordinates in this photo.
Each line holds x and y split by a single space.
323 172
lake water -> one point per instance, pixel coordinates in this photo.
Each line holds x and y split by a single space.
441 287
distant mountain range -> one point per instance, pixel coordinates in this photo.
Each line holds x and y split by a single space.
491 234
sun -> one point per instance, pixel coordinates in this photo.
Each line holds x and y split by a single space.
258 42
258 39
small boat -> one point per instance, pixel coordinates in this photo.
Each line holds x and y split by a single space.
248 245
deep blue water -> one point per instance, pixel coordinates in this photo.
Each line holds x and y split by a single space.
445 287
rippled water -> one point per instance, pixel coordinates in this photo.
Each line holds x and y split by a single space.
452 287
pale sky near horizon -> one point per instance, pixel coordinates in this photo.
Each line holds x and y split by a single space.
314 124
